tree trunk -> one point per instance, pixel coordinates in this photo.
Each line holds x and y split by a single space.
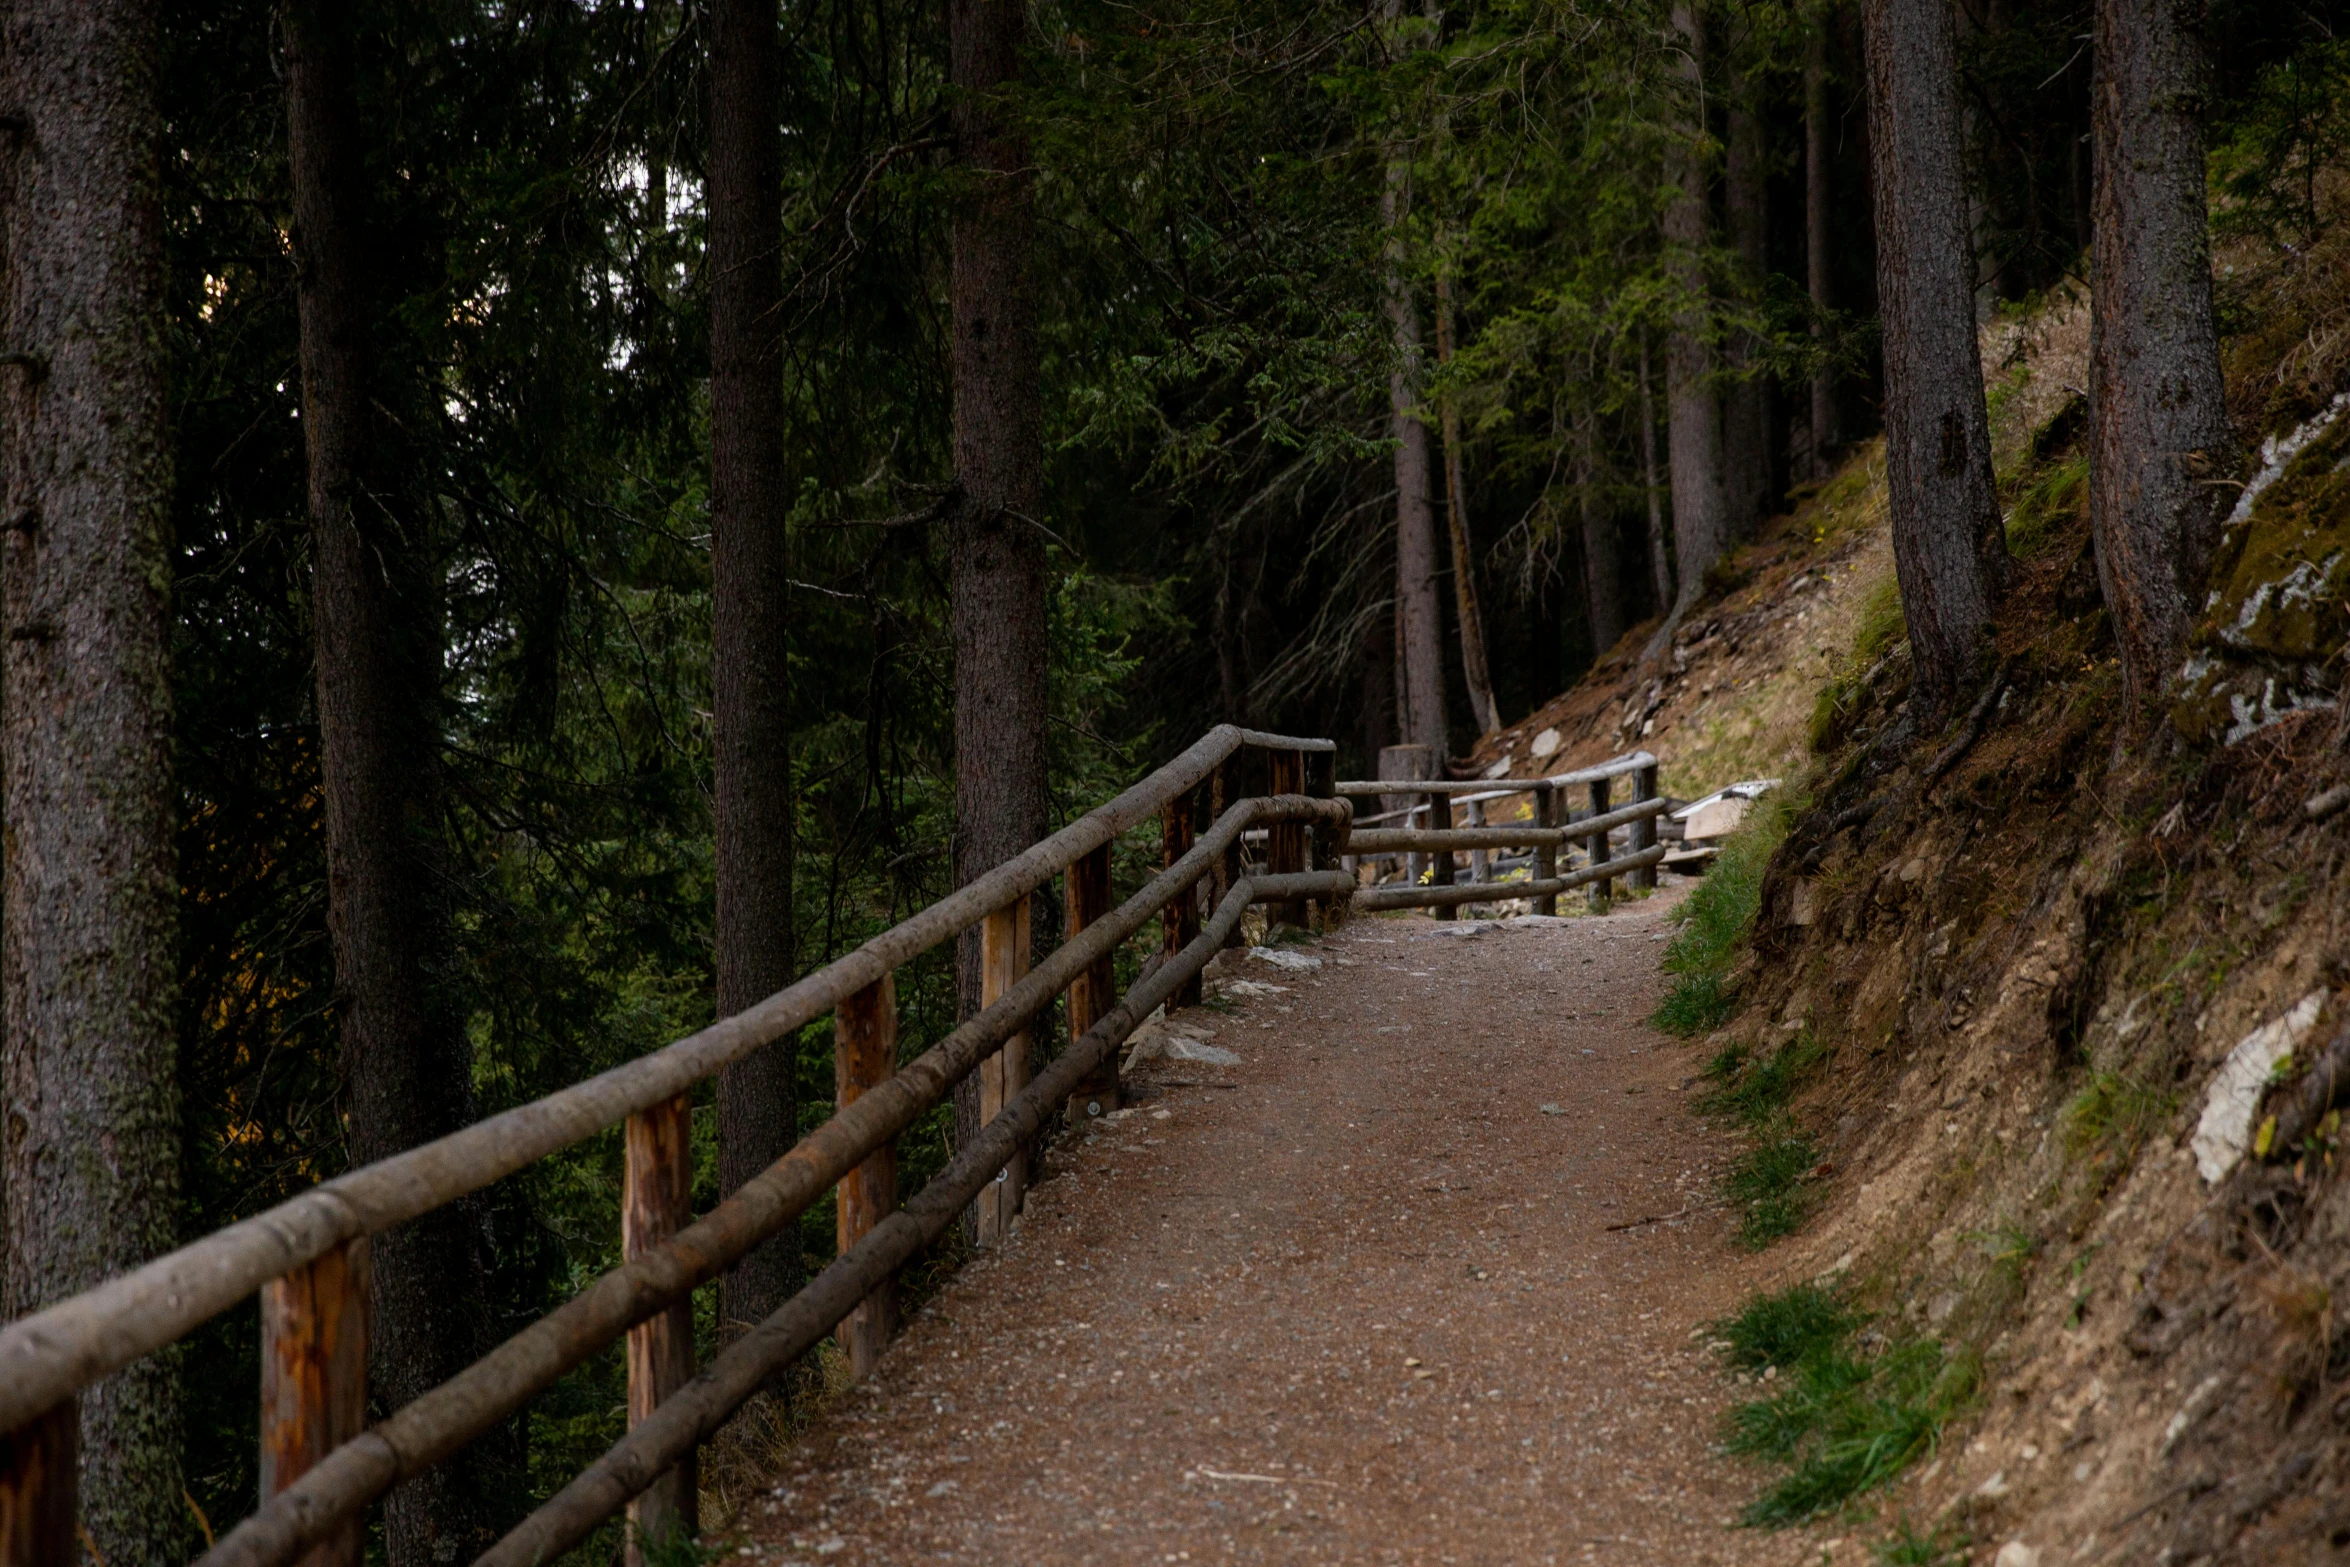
1419 616
998 565
1815 233
1693 410
1948 549
2158 422
1746 398
1660 565
750 572
1603 590
406 1062
1377 672
1464 560
87 952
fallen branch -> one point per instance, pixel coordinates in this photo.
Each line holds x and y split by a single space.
1976 722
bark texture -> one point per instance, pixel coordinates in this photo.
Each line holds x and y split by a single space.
2158 426
750 571
406 1064
90 1166
1693 410
1660 563
999 587
1948 549
1466 609
1419 614
1815 233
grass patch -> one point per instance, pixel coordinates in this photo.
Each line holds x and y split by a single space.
1715 919
1881 627
1754 1091
2052 503
2114 1115
1909 1546
1841 1422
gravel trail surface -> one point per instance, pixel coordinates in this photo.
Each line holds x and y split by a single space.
1360 1297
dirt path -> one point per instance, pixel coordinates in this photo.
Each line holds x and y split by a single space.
1352 1300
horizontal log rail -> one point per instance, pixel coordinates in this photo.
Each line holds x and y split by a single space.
1429 877
49 1356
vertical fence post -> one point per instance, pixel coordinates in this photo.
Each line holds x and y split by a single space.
1322 843
1092 993
1179 920
1480 860
1285 842
1440 818
1603 892
1003 959
656 1201
40 1463
1644 830
1546 856
314 1381
1225 795
864 1055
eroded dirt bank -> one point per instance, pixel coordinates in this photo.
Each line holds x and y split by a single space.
1355 1299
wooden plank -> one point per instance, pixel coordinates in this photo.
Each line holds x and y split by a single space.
1546 855
39 1473
314 1381
656 1201
1179 921
1644 830
864 1054
1094 992
1003 959
1224 794
1603 890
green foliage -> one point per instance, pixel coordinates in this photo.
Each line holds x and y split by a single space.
1767 1181
2282 134
1910 1546
1714 921
1840 1420
2052 503
2113 1115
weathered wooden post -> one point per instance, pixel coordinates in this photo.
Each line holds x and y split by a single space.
1644 830
1546 856
1440 819
656 1201
1179 920
314 1381
1003 960
1285 842
864 1055
1408 762
1322 838
40 1465
1603 891
1092 993
1225 794
1480 860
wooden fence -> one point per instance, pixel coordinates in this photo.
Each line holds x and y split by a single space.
1550 840
307 1258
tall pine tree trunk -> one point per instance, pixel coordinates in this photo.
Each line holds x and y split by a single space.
1474 672
999 579
750 571
2157 420
1948 549
1660 564
1746 398
1419 615
1603 592
1693 409
88 960
1815 232
406 1064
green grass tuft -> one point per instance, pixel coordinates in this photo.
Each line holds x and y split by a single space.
1839 1422
1911 1547
1882 625
1715 919
2115 1112
1767 1181
1767 1185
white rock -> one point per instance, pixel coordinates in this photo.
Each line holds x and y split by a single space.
1715 818
1995 1487
1181 1049
2225 1132
1282 957
1252 989
1500 769
2015 1553
1546 745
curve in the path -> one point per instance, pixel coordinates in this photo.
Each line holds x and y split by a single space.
1354 1299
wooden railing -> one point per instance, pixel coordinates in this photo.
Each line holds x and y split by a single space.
307 1258
1552 837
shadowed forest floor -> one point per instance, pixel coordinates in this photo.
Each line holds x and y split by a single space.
1354 1299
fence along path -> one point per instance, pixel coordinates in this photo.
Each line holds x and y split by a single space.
307 1257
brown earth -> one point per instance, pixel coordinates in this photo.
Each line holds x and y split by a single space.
1355 1299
